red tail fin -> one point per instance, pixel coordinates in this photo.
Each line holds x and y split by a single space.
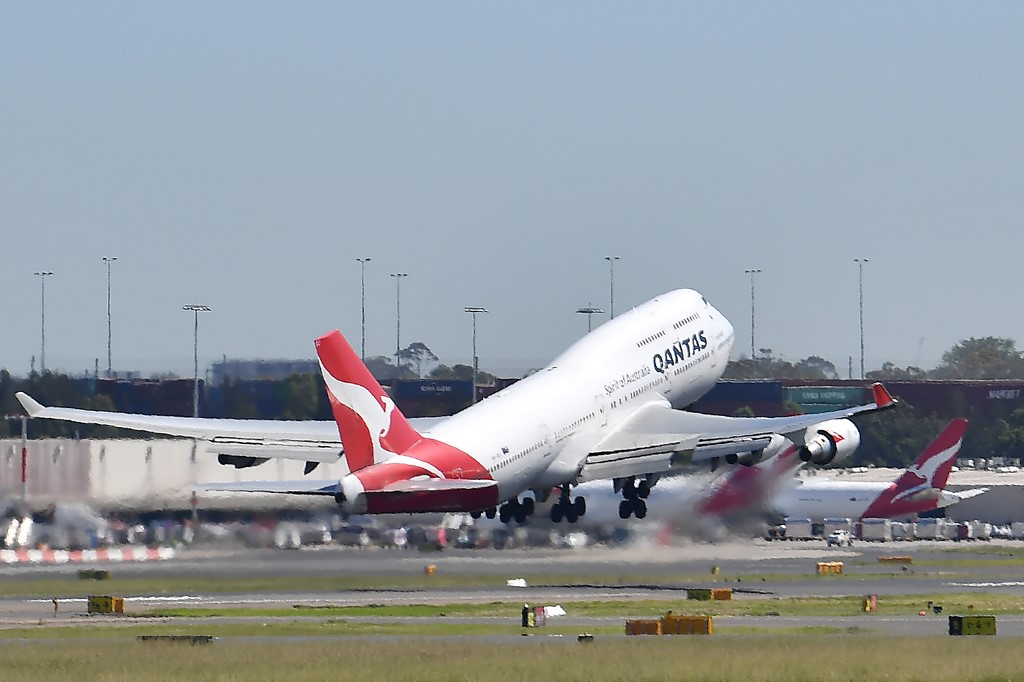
371 427
914 491
932 466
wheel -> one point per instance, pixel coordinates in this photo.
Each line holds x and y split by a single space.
491 513
475 514
629 491
643 490
639 508
571 515
519 514
625 509
556 513
504 513
580 505
528 505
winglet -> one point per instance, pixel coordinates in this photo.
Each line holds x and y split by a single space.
31 406
882 397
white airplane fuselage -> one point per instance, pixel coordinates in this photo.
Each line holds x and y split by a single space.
535 433
818 500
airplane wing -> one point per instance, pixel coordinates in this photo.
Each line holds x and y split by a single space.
656 436
310 441
304 487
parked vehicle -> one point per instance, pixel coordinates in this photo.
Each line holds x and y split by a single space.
840 538
834 524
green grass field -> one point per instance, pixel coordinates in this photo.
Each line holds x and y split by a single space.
770 658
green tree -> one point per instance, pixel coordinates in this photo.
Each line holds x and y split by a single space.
301 396
740 369
461 373
238 402
815 367
791 408
890 372
1008 435
986 358
894 438
381 367
415 356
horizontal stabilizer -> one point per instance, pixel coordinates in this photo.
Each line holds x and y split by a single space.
961 495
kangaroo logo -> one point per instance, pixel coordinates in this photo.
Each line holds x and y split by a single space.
373 413
921 475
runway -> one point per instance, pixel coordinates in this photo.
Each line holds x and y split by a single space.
756 570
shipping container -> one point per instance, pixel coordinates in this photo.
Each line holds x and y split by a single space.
930 529
876 530
799 529
745 392
982 530
961 531
832 397
902 531
446 389
833 524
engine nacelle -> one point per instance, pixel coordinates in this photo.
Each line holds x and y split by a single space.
240 461
831 441
752 457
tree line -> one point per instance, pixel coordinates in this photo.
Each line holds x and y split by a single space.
989 357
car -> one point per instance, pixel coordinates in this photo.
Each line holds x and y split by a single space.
840 538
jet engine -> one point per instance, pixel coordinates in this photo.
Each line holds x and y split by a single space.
240 461
831 441
752 457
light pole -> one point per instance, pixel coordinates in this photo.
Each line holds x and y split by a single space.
473 310
108 261
753 358
42 320
196 309
860 288
362 305
398 317
611 285
589 311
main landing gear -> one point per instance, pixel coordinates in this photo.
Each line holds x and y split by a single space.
634 499
511 510
566 509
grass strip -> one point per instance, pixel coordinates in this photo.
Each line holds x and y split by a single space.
770 658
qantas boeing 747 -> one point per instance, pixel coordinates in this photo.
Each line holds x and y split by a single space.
607 408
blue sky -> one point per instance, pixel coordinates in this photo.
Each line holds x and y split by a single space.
243 155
